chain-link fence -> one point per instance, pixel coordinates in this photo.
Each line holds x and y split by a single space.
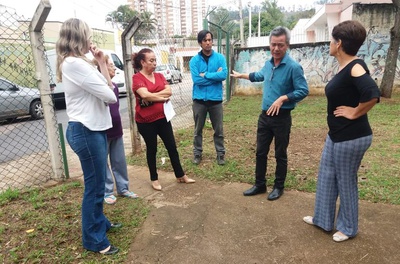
173 56
25 158
30 149
176 72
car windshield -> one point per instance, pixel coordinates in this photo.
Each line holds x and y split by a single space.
161 68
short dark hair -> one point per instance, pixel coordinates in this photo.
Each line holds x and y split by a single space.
279 31
202 34
352 34
138 57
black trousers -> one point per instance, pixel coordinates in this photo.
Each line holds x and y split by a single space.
269 128
149 132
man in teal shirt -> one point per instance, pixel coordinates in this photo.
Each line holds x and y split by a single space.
284 86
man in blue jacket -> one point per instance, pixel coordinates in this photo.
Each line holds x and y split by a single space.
284 86
208 69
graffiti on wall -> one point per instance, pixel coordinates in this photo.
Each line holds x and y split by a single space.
319 67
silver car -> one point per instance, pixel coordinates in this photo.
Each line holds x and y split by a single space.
170 72
18 101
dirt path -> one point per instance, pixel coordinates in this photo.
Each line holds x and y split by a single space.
210 222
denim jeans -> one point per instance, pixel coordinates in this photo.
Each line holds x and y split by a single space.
149 132
91 148
215 111
119 170
270 127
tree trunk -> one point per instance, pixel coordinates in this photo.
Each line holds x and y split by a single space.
392 54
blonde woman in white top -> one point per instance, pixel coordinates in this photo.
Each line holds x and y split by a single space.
87 94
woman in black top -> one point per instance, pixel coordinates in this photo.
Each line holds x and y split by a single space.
350 94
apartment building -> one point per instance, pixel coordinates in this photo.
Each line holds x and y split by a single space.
174 17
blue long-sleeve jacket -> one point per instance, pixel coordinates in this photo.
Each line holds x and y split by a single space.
285 79
209 87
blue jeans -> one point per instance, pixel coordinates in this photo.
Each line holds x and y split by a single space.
118 167
270 127
91 148
215 111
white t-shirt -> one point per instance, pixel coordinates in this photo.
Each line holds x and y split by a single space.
87 94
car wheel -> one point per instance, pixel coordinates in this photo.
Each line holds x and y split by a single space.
36 109
180 79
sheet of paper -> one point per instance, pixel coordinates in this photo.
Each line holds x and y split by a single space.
169 110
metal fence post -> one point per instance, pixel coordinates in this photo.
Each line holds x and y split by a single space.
126 39
228 88
35 31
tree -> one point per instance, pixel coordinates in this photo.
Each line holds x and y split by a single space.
149 23
226 19
124 14
392 55
121 16
293 17
271 16
323 2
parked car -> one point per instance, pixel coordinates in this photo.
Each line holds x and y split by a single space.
18 101
170 72
57 89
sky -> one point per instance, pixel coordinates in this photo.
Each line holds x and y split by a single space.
91 11
288 4
94 12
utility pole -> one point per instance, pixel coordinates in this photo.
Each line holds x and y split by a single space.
249 5
259 23
241 24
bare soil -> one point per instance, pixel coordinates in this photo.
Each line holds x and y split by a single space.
210 222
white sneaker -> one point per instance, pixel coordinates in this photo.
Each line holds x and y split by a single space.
339 237
308 220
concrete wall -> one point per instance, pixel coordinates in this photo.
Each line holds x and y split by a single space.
318 66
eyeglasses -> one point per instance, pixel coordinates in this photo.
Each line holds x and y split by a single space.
272 74
280 45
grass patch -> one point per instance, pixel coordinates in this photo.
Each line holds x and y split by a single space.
379 172
8 196
44 226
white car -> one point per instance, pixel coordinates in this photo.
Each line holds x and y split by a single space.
57 89
170 72
18 101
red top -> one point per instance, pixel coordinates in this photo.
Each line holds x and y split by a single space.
155 111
